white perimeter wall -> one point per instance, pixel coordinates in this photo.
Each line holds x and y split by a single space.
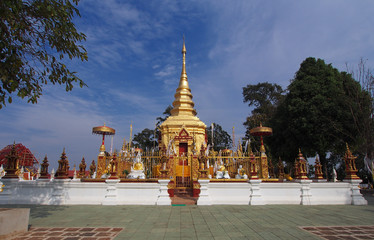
113 192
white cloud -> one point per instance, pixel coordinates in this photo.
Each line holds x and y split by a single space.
135 62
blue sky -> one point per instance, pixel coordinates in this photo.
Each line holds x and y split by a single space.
134 51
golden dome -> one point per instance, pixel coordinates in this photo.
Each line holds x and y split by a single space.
138 166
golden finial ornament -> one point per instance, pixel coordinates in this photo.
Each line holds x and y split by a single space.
350 165
183 104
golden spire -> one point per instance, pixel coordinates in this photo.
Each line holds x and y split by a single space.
183 104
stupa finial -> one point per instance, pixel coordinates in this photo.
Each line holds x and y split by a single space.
183 104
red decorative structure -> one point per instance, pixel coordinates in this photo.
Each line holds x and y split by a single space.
350 165
12 163
103 130
25 156
63 167
318 175
44 169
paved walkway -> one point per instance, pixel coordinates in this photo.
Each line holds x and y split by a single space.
211 222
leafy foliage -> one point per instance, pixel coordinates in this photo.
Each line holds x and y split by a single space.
265 98
145 139
364 126
319 113
221 138
35 37
165 114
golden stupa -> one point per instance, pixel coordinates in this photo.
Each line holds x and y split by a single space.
183 129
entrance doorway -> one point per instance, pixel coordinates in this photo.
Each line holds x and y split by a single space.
183 149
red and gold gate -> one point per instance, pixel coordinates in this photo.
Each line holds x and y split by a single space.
182 172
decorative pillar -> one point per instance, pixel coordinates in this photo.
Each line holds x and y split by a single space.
82 169
92 169
195 175
44 169
305 192
300 168
58 193
352 178
255 197
202 170
163 197
261 131
204 198
318 175
357 198
350 165
111 192
113 165
63 167
264 171
12 164
252 166
101 165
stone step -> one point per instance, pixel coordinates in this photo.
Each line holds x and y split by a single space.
183 197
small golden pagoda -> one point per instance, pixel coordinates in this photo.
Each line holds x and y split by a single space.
350 165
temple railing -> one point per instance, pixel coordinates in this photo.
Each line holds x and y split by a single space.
154 161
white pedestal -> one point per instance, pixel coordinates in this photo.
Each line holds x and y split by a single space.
163 197
58 194
111 192
357 198
204 198
255 197
305 192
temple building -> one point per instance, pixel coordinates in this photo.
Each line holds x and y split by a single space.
183 165
183 134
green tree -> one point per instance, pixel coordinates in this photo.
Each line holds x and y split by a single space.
146 139
165 114
265 98
221 138
35 37
317 113
365 105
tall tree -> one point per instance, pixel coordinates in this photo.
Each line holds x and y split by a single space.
148 138
145 140
316 114
221 138
165 114
265 98
35 37
365 105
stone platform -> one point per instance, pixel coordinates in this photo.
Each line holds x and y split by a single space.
13 220
208 222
